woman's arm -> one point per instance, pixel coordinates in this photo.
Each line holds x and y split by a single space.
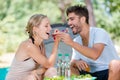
37 55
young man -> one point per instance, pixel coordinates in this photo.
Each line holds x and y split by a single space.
93 47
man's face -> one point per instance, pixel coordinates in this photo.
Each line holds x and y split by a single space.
74 23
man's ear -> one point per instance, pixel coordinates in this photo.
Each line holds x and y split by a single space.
83 19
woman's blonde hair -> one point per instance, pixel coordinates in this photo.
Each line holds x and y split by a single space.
34 21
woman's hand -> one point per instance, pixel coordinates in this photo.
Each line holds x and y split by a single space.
55 36
51 72
34 75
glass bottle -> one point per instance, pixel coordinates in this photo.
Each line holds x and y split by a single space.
59 65
67 67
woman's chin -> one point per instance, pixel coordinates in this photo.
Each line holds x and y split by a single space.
46 38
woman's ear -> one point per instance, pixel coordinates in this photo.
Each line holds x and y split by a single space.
34 30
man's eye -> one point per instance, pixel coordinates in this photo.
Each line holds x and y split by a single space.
72 19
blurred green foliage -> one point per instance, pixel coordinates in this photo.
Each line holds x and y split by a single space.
107 14
14 15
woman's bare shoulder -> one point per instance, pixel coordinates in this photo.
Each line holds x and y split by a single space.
27 44
24 50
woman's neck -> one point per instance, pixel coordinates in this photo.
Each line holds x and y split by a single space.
37 41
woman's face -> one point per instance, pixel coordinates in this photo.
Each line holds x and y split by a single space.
43 30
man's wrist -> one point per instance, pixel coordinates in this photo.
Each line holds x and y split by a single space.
71 43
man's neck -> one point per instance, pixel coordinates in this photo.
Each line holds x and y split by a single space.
85 31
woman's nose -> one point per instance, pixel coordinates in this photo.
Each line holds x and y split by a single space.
50 28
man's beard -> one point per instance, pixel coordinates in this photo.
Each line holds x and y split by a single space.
75 33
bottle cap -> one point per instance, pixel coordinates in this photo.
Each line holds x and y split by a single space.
66 54
60 54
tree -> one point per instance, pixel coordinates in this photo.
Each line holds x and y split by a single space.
62 4
91 13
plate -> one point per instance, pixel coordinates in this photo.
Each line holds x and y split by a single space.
92 78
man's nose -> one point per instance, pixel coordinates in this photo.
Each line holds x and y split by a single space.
69 23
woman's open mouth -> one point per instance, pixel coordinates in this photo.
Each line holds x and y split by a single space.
48 34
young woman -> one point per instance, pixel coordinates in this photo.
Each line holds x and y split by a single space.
30 61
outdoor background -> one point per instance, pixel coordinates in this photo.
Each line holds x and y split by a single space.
14 15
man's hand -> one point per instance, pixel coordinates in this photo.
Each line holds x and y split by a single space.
65 37
74 70
80 64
